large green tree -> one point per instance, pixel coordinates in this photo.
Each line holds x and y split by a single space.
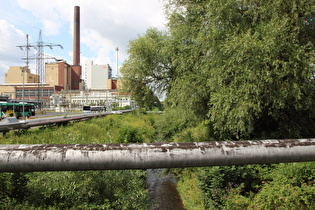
244 65
148 69
260 57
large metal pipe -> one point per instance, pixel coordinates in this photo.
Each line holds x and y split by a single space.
14 158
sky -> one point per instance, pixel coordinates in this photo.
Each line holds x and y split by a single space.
105 25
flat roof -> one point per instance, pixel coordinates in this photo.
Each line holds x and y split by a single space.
25 84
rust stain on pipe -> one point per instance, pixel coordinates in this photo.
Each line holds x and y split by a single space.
57 157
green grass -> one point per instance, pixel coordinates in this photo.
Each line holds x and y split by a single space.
100 130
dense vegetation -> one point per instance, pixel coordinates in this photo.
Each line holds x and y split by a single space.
228 70
273 186
233 70
79 190
245 66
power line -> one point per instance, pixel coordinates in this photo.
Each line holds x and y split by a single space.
3 13
40 57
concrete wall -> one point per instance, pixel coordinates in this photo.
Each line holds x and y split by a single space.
8 91
58 74
14 75
52 74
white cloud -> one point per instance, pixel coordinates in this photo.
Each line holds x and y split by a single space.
8 35
46 13
105 25
109 17
9 52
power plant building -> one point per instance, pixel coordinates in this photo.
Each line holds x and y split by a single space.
58 75
98 77
63 81
15 75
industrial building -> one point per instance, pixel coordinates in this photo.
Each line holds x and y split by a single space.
58 75
98 76
14 81
15 75
63 86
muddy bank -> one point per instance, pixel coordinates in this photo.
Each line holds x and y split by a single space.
162 191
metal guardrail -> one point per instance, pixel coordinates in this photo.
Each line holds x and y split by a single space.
73 157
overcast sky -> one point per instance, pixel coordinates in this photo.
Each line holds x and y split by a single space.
105 25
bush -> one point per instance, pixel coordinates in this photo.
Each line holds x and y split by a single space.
188 189
80 190
218 182
275 186
88 189
129 134
288 186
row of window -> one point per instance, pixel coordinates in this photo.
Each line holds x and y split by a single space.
34 93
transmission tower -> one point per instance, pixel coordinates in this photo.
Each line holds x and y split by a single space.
40 62
40 56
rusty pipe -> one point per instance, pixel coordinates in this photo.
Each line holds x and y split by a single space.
73 157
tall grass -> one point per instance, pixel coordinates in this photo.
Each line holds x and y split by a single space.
105 130
79 190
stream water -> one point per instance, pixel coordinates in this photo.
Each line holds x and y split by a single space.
162 191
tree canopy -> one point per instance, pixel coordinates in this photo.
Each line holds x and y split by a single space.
245 66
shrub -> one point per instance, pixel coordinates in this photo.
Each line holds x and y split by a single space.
288 186
79 190
218 182
88 189
129 134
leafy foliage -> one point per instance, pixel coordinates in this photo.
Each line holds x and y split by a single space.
88 189
147 70
82 189
243 65
261 72
278 186
188 187
289 185
229 70
129 134
218 182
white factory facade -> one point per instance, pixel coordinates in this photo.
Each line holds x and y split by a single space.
99 89
97 77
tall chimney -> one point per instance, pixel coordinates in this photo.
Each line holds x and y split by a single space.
76 68
76 36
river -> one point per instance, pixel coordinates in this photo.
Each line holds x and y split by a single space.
162 191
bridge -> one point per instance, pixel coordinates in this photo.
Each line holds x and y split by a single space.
75 157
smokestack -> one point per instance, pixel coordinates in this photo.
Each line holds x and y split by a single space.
76 68
76 36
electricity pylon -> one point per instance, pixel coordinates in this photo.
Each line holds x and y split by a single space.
40 57
40 61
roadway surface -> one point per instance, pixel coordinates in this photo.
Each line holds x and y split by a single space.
49 119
